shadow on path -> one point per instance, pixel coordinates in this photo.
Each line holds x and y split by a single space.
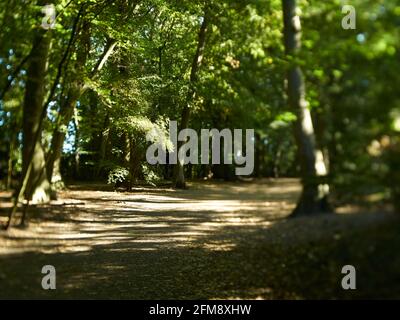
215 240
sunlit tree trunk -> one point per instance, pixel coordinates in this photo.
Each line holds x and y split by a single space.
314 197
64 117
76 144
38 188
197 60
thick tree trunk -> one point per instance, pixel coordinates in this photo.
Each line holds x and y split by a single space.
314 198
38 188
179 175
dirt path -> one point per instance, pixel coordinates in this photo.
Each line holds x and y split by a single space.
215 240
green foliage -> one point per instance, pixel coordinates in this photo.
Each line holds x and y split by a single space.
351 79
118 175
151 176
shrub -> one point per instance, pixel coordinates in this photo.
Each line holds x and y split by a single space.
117 176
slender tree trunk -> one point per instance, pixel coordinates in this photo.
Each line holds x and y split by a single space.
105 135
277 161
38 187
64 117
10 162
180 182
197 60
76 147
104 138
134 160
132 164
257 164
314 197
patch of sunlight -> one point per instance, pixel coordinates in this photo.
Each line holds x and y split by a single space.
219 246
75 236
78 281
130 249
250 294
78 248
186 234
153 240
212 227
376 197
190 206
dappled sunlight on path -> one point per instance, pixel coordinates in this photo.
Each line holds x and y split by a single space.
150 219
215 240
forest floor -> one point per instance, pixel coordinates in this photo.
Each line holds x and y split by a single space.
213 241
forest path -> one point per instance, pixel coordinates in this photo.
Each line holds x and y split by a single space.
215 240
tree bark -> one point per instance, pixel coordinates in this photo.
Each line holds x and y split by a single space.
134 163
64 117
10 161
179 175
76 144
38 188
104 138
314 197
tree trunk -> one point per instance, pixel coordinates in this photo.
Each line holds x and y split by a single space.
105 135
76 144
10 162
132 164
64 117
277 161
314 197
179 176
180 182
38 188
